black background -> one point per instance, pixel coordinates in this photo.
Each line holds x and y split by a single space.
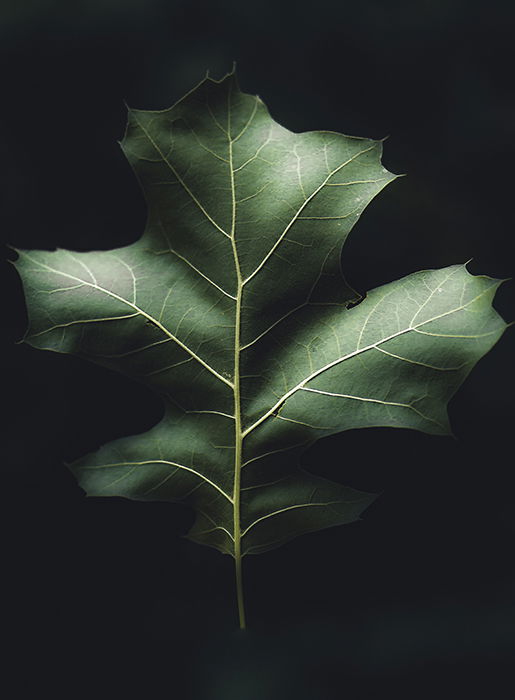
417 599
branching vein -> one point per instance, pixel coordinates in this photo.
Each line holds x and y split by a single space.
181 180
359 351
162 461
301 209
138 310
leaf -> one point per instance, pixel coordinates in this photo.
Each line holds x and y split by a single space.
233 308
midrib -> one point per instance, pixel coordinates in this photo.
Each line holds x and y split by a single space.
238 433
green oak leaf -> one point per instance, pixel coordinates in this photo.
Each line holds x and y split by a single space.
233 308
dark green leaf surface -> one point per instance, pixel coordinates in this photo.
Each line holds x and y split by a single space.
232 307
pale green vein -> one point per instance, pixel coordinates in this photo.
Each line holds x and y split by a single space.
80 322
216 413
256 154
369 400
421 364
306 425
181 180
361 350
135 465
434 291
196 269
208 150
291 311
328 218
273 452
138 310
131 273
249 121
83 265
284 510
273 325
135 350
251 196
262 486
356 182
168 367
60 289
165 302
301 209
213 529
454 335
238 437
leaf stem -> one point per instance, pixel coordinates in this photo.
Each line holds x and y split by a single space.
239 589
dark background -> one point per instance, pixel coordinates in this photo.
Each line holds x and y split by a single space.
417 599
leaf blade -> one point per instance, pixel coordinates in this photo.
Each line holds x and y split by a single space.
232 307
